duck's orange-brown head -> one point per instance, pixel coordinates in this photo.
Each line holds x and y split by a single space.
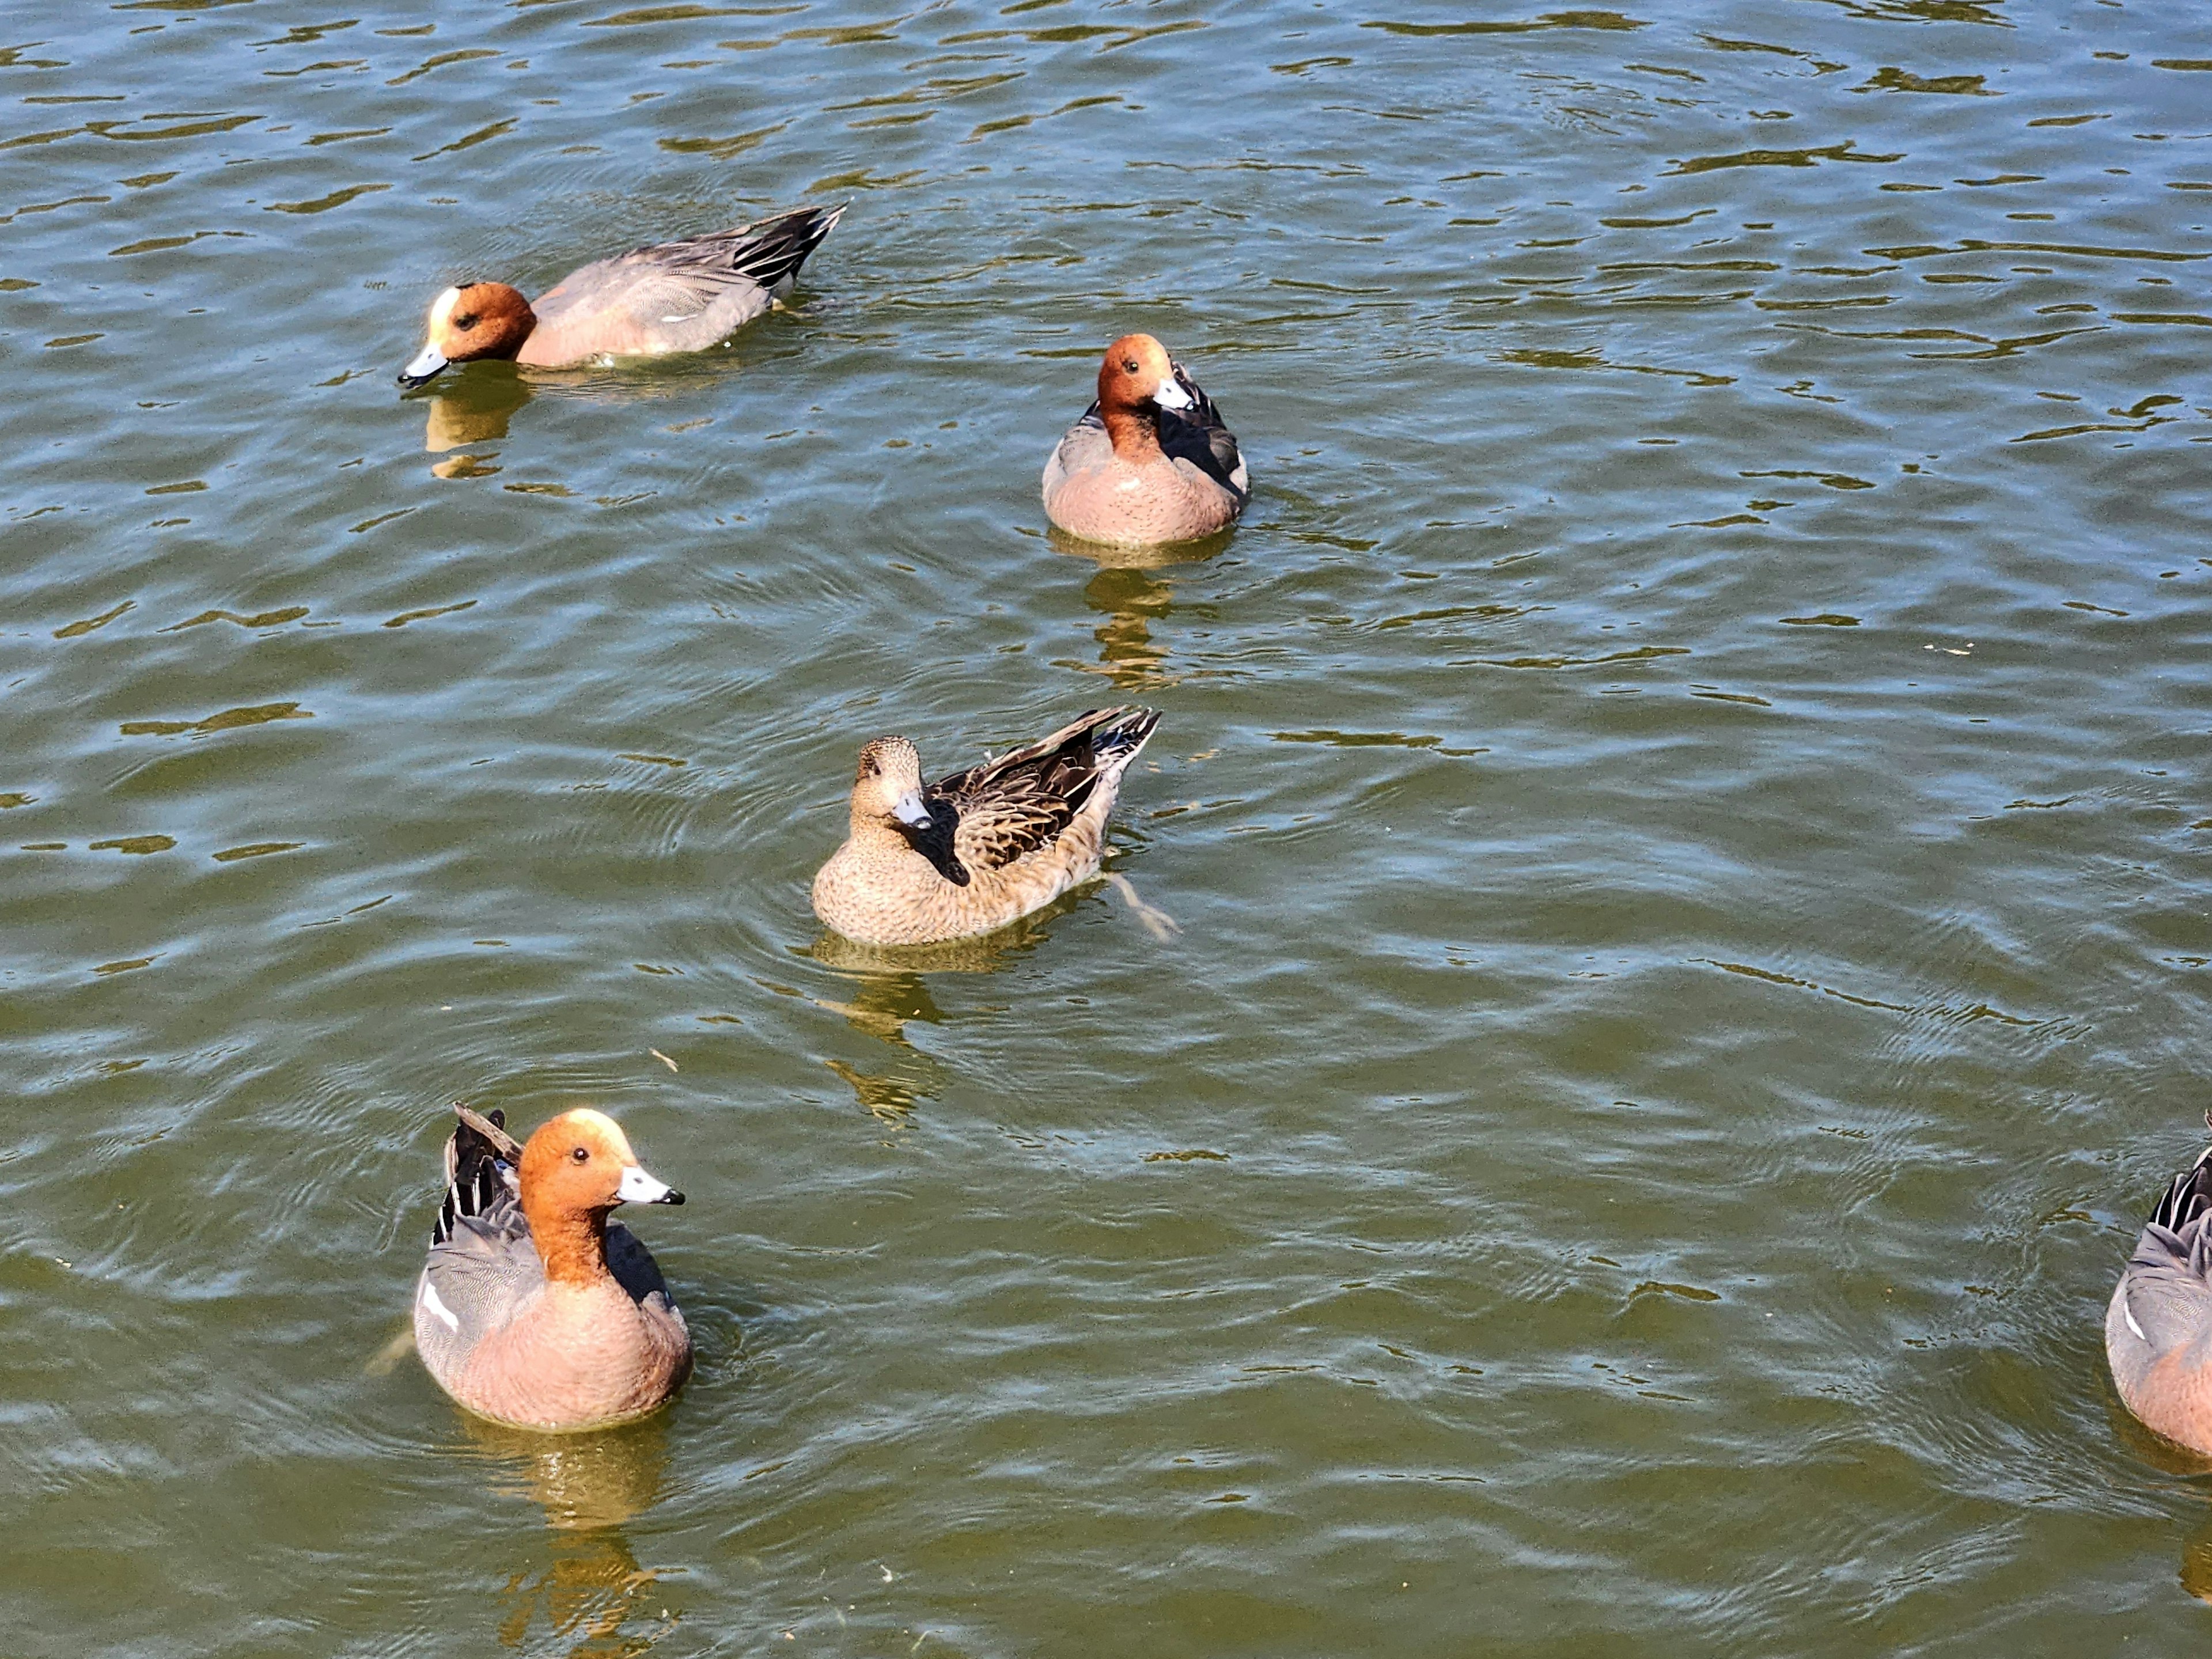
1137 374
887 785
575 1169
472 321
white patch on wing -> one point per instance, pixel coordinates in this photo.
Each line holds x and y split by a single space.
2128 1313
453 1322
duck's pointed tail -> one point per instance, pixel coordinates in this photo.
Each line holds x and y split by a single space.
770 251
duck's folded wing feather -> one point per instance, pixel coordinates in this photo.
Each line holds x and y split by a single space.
634 1268
480 1160
1007 825
1023 800
1197 435
2165 1300
1082 447
681 296
474 1283
618 308
766 253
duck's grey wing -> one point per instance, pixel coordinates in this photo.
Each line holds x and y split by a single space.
1197 435
1083 447
474 1283
2162 1305
2164 1299
1023 800
686 295
766 253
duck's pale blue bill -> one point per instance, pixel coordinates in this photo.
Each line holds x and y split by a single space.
639 1187
908 809
426 364
1171 394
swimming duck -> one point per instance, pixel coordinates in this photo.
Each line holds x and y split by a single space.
534 1310
1150 461
974 851
676 297
2158 1329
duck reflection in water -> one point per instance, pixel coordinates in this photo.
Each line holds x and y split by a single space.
2172 1458
887 989
471 408
886 993
1132 590
588 1486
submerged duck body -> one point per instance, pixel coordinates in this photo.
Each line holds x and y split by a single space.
1151 461
2157 1326
670 297
533 1308
980 848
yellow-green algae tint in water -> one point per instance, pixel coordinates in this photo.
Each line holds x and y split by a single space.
1684 799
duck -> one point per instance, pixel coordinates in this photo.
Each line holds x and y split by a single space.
980 848
668 297
533 1308
1151 461
2158 1328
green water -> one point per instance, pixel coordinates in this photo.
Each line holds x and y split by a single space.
1684 800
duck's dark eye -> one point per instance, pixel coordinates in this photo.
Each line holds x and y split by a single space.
1129 365
874 770
467 322
582 1155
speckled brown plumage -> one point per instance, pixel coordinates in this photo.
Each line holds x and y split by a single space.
980 847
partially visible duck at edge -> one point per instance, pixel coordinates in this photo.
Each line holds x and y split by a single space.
980 848
1150 461
2158 1329
674 296
534 1310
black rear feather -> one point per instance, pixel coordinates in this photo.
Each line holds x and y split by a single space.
2189 1195
481 1158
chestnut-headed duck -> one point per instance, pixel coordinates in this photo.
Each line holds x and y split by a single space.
1150 461
534 1310
2158 1329
976 850
676 297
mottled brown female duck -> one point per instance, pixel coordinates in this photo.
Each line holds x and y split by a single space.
674 296
974 851
1150 461
534 1308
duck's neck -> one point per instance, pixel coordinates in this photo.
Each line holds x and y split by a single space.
1136 435
869 829
573 1245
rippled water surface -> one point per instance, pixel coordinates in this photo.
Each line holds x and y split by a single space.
1684 800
